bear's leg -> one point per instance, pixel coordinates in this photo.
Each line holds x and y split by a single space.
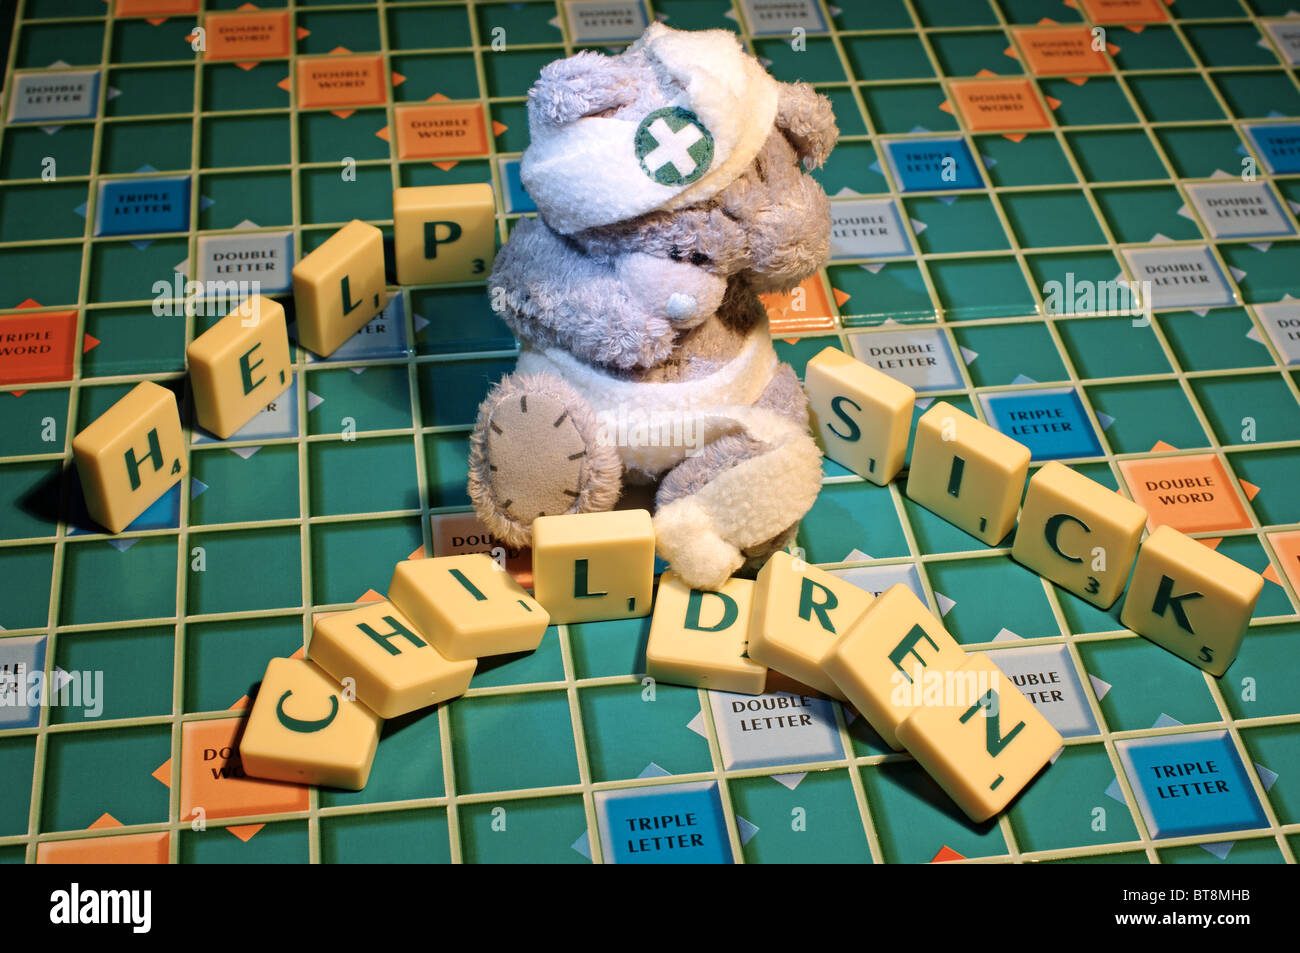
538 450
740 498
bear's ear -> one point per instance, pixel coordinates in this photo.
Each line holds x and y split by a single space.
806 118
586 84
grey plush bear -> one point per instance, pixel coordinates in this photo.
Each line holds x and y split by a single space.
672 190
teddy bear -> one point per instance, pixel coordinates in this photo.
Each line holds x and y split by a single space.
672 188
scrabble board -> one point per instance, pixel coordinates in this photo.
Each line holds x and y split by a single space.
1007 170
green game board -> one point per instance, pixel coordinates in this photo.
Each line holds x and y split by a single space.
1170 152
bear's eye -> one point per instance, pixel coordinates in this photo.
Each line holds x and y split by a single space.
699 258
675 253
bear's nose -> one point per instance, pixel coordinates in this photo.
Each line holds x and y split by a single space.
681 306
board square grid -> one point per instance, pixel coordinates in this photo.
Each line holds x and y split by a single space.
439 801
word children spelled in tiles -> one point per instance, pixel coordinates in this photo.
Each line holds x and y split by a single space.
394 667
801 611
240 365
304 728
590 567
699 638
130 455
883 662
468 606
984 743
339 287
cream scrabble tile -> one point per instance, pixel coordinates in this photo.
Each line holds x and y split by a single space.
239 365
130 455
983 741
800 612
305 728
1078 533
1191 600
967 472
860 415
882 664
467 606
591 567
444 233
394 668
339 287
698 638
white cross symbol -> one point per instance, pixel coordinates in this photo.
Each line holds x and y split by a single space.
672 147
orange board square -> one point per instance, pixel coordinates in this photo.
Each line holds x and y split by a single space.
1287 547
455 534
802 309
1124 11
439 130
998 104
1056 51
154 8
37 347
213 779
335 81
1192 494
124 849
247 36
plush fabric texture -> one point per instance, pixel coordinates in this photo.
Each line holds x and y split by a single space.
533 449
586 114
639 312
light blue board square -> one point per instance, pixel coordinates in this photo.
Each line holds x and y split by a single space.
779 17
383 336
518 201
1282 323
663 824
867 228
777 728
1181 277
20 659
1050 422
1279 147
52 97
1239 209
1286 34
919 357
162 513
929 165
606 21
1048 677
279 419
876 579
143 206
1172 806
262 257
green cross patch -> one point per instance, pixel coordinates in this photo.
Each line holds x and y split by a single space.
674 146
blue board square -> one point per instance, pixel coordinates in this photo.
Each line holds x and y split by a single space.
920 165
668 824
143 206
1191 784
1051 423
518 201
1279 147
